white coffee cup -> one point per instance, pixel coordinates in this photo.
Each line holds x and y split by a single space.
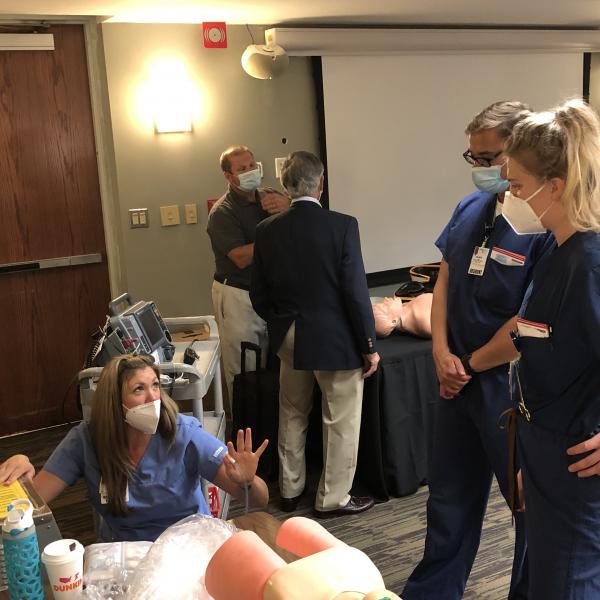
63 560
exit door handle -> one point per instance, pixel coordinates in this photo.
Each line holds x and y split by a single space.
50 263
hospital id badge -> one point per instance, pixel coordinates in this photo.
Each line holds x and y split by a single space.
507 258
478 260
532 329
104 493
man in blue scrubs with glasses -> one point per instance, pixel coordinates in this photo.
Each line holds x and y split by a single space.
485 270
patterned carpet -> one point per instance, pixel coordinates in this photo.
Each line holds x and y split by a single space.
392 534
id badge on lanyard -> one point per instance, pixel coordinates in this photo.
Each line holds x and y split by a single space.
478 261
481 253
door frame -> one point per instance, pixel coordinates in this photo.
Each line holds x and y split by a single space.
103 136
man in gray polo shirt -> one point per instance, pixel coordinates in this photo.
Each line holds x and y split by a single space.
231 226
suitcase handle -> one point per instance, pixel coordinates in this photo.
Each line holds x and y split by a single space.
249 346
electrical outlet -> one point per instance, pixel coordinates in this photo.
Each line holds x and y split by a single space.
169 215
191 214
278 166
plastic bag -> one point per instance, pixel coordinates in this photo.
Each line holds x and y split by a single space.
175 565
108 568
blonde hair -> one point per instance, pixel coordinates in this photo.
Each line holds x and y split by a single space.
109 431
564 143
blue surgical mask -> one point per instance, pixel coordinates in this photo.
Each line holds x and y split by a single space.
488 179
250 180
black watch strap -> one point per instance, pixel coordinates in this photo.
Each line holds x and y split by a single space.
464 359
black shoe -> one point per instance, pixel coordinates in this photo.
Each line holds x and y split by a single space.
290 504
356 504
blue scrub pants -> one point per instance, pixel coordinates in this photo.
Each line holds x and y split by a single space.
563 517
468 449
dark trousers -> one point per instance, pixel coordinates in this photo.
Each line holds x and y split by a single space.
563 517
468 449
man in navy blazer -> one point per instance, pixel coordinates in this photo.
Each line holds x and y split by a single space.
308 283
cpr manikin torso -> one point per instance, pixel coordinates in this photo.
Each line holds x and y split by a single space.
414 316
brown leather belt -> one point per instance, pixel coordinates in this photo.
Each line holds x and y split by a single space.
510 417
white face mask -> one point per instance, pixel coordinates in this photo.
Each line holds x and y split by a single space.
144 417
520 216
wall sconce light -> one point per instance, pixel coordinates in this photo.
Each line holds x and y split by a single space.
171 120
172 97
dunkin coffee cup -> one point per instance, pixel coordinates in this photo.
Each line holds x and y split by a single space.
63 560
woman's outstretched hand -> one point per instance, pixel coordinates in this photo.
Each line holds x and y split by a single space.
240 462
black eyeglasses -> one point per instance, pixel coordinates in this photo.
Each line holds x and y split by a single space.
480 161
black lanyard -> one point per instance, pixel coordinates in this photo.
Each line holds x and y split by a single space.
490 220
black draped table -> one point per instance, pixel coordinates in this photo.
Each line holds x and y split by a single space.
397 419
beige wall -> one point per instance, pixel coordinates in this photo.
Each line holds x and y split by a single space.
174 265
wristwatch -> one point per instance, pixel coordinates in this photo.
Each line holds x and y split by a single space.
464 359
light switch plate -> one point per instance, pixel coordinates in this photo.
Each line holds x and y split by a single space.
191 214
169 215
278 166
138 217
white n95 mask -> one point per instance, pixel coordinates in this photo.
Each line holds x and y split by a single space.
144 417
520 216
250 180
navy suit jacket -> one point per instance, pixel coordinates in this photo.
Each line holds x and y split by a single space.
308 269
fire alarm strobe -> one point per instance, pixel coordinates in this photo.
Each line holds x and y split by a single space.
215 35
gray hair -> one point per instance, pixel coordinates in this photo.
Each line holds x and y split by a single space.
502 115
301 174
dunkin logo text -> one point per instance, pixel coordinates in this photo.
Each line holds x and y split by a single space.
68 583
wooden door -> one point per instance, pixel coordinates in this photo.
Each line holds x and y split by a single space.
49 207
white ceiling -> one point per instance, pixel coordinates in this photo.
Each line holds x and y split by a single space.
307 12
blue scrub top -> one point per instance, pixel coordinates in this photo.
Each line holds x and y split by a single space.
479 306
164 487
560 375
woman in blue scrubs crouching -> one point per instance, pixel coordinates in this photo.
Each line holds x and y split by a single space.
141 460
554 174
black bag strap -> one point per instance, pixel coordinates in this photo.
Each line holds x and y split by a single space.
249 346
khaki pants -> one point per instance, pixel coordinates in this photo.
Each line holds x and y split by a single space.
237 323
341 408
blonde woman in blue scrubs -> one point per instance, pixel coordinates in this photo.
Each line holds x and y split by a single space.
554 174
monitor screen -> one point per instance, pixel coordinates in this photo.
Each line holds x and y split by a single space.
151 327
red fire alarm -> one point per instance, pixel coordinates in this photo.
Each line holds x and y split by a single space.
215 35
210 203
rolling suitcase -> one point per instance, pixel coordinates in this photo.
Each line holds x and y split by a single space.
256 405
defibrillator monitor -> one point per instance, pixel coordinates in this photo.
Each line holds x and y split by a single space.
141 328
148 321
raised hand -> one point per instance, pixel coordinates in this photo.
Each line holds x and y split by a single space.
240 462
